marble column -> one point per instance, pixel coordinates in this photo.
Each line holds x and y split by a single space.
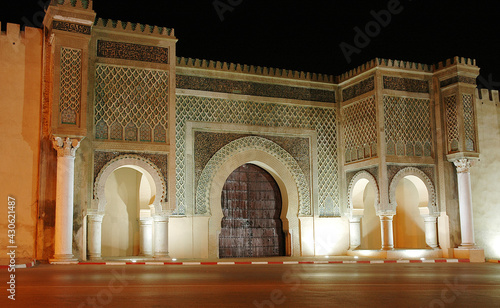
146 236
387 231
66 149
161 236
94 235
465 202
431 231
354 232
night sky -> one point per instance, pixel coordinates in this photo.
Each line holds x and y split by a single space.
307 35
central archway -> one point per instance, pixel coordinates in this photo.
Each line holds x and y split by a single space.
251 204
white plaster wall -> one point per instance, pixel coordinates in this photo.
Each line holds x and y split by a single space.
485 177
409 226
331 236
180 237
120 228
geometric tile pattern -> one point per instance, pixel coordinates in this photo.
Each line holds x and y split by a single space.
450 103
131 104
469 123
206 144
71 85
360 133
320 119
407 124
241 145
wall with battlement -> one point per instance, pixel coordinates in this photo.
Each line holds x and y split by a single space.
20 88
485 174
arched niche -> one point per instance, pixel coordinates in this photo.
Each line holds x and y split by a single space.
357 186
424 186
143 165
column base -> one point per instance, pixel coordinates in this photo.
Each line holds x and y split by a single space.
63 259
162 257
473 253
95 258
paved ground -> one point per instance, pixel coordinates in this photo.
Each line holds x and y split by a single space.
309 285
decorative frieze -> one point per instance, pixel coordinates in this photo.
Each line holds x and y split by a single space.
135 52
358 89
406 84
71 27
457 79
253 88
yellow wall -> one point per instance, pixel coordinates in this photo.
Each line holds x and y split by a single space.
20 97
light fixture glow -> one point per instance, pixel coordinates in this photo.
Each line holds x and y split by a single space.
174 259
355 257
133 261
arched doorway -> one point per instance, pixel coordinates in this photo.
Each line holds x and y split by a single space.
251 203
129 194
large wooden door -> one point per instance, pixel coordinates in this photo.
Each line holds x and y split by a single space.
251 204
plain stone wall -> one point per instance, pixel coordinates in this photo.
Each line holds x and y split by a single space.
20 96
485 176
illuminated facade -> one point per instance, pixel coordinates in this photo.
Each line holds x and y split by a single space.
123 149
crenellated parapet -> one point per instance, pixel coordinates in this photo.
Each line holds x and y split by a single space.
251 69
387 63
78 4
133 28
488 96
454 61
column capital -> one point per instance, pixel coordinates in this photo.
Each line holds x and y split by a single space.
160 218
386 214
463 165
65 146
95 216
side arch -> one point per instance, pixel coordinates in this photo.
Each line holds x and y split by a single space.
414 172
246 144
361 175
145 166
